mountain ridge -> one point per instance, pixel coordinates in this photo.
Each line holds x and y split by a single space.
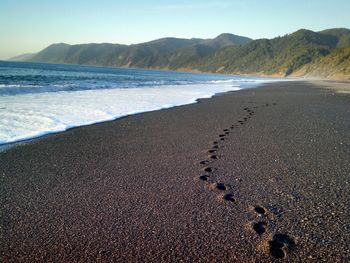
227 53
157 54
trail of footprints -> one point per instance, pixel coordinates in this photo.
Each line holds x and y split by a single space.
280 244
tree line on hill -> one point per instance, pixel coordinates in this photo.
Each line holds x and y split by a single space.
303 53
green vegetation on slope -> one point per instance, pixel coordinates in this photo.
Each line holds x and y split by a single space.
335 65
300 52
161 53
279 56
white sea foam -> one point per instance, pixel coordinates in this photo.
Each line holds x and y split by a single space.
31 115
37 99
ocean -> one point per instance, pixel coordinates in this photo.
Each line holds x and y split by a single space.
37 99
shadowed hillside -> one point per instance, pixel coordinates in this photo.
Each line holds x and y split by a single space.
303 52
162 53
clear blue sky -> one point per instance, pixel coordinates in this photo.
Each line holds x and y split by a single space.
30 25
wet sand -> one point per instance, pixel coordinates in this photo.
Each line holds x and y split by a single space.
258 175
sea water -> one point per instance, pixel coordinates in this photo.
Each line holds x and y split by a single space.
37 99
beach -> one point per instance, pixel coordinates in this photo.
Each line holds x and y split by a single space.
256 175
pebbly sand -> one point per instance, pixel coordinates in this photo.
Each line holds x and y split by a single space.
258 175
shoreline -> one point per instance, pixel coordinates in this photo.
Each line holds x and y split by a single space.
14 134
6 146
293 77
252 175
9 145
333 85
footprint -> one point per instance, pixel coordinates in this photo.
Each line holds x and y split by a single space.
214 156
260 210
229 197
212 151
280 245
215 147
221 186
209 169
222 135
204 177
204 162
227 133
222 139
260 227
225 130
215 142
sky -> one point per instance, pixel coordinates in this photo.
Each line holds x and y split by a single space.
27 26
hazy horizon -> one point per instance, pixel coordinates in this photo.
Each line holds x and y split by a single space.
32 25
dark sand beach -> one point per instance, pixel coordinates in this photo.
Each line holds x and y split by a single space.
258 175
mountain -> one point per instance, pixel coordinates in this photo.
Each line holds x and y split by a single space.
93 54
226 40
280 56
303 52
162 53
23 57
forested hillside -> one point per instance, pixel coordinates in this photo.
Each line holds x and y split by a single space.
304 52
